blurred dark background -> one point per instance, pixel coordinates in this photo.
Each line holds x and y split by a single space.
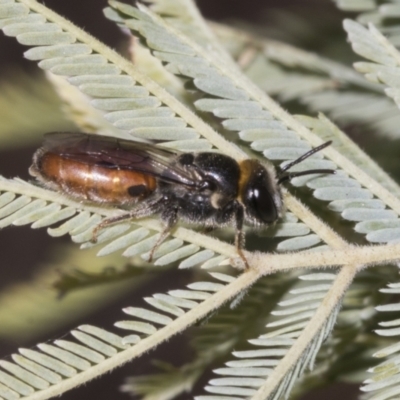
17 264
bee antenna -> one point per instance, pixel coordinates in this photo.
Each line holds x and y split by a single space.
285 177
308 172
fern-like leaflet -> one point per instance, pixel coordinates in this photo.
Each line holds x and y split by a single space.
140 108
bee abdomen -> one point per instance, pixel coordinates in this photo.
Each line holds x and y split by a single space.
91 182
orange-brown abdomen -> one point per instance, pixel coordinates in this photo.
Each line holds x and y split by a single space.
92 182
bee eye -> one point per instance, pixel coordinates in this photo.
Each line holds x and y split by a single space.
261 204
260 195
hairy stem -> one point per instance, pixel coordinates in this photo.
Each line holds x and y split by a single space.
315 324
350 255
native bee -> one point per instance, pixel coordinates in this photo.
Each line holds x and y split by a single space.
204 188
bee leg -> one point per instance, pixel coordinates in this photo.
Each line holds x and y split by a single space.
163 235
207 229
145 210
239 235
109 221
170 219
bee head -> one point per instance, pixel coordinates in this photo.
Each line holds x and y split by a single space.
259 187
259 193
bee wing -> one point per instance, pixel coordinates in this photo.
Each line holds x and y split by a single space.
114 153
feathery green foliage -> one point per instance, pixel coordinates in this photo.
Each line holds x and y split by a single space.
195 86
